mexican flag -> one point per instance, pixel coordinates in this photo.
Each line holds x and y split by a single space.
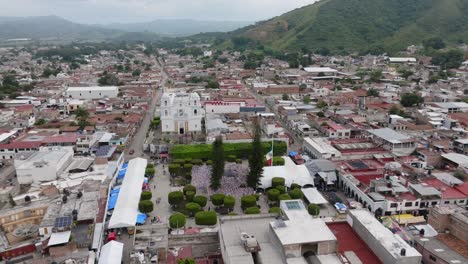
269 156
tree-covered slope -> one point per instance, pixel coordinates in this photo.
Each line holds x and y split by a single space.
361 25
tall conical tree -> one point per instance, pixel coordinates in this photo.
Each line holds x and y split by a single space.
217 170
256 158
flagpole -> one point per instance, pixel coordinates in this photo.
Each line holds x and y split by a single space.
272 151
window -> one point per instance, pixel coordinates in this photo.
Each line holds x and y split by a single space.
165 103
446 202
408 204
431 257
434 203
195 102
416 204
166 113
181 112
393 205
195 112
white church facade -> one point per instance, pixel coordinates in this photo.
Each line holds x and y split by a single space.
181 113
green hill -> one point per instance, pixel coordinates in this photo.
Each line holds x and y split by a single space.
362 25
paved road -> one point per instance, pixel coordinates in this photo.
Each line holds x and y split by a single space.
297 140
139 137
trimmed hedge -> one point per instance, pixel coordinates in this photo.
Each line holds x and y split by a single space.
197 162
273 195
274 210
277 161
174 168
189 188
206 218
240 150
192 208
229 202
284 197
201 200
146 206
188 167
252 210
189 196
177 220
175 198
209 162
146 195
277 181
217 199
296 194
248 201
313 209
231 158
281 189
178 161
295 186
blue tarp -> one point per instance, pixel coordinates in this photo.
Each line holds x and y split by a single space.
125 165
112 201
145 180
292 153
121 174
116 190
141 218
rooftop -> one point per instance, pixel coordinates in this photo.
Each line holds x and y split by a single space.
390 135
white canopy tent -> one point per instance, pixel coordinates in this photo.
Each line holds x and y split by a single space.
126 209
111 253
313 196
59 238
291 172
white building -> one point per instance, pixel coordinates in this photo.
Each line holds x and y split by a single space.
44 165
92 92
320 148
181 113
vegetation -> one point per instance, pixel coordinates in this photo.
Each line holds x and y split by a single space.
229 202
448 59
217 170
192 208
296 193
313 209
411 99
252 210
201 200
373 92
189 196
273 195
240 150
248 201
108 79
189 188
274 210
145 206
177 220
367 26
256 158
284 197
146 195
277 181
175 198
217 199
206 218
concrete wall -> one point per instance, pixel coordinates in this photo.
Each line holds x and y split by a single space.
93 93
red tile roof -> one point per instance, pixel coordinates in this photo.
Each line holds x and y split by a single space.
21 145
447 191
69 138
348 240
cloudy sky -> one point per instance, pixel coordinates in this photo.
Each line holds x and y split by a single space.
111 11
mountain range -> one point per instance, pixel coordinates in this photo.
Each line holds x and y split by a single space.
362 25
54 27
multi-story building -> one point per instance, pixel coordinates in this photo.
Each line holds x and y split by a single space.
93 92
181 113
450 218
461 146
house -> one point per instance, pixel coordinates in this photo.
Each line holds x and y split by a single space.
93 92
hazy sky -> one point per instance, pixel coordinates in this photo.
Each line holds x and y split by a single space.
109 11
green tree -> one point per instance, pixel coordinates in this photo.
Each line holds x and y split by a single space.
306 99
252 210
284 197
186 261
177 220
145 206
434 43
411 99
146 195
450 59
136 73
320 114
274 210
150 172
40 122
217 170
296 194
248 201
285 97
206 218
212 84
189 188
229 202
322 104
201 200
217 199
189 196
81 113
10 80
313 209
256 158
273 195
375 76
175 198
373 92
193 208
